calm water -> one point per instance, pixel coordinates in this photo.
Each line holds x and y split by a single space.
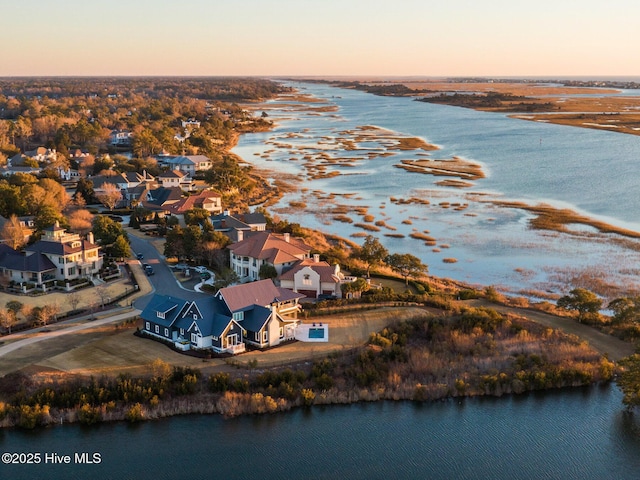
593 172
578 434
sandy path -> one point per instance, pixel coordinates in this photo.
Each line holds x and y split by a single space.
603 343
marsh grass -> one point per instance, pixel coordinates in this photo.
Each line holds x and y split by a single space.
557 219
368 227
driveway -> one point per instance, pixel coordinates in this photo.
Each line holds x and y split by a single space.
163 281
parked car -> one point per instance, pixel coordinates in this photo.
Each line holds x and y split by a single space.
327 296
201 269
149 270
139 256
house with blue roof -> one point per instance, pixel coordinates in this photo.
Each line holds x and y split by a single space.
200 325
258 313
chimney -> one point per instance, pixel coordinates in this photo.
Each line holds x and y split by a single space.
90 237
240 234
316 258
287 237
226 213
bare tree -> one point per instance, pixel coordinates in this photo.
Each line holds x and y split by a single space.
13 233
73 299
103 293
110 195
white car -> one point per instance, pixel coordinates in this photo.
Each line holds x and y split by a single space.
201 269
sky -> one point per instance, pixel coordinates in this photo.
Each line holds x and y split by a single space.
320 38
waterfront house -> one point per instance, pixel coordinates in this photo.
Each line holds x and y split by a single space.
202 324
259 313
268 313
280 251
314 278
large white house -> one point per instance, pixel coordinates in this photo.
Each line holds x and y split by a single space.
314 278
58 255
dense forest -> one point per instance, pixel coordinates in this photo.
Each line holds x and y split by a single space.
80 113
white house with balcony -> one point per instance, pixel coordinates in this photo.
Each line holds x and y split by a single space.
314 278
57 256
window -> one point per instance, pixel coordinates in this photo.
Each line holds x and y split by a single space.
157 329
238 316
148 326
194 338
182 332
257 336
166 332
306 279
160 314
264 336
281 332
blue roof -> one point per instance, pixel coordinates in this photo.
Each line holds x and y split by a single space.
255 318
162 303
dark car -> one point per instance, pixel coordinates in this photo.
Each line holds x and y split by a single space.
139 256
148 270
327 296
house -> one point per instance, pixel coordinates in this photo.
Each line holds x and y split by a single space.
245 223
57 256
159 199
120 138
258 313
314 278
26 225
189 164
279 251
10 169
269 314
201 324
176 178
207 200
73 256
42 154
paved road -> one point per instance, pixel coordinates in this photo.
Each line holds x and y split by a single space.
162 280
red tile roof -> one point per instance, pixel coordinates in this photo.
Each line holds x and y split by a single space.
271 247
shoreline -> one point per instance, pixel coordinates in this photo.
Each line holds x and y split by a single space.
293 385
329 206
266 404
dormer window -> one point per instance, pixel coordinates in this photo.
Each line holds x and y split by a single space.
160 315
238 316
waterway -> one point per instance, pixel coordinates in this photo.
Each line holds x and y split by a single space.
592 172
573 434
